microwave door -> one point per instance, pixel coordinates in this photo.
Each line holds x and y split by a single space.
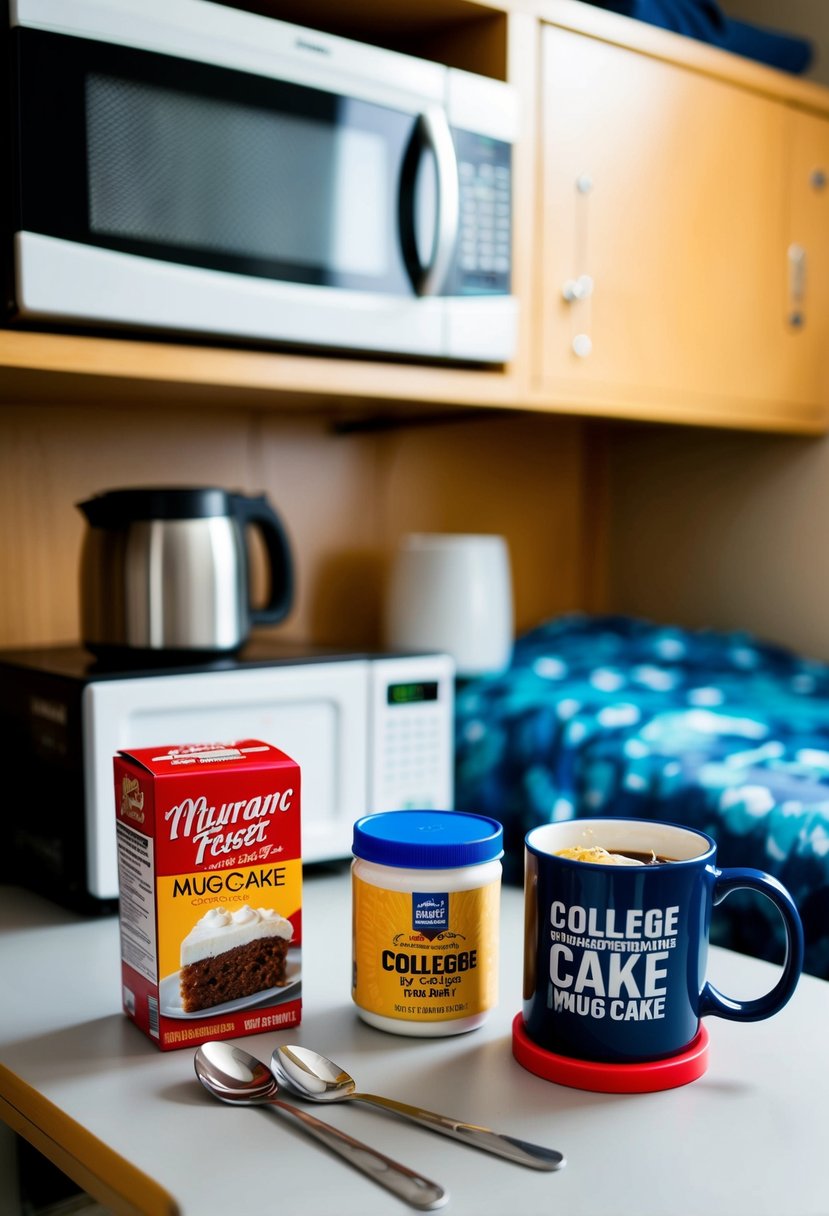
200 198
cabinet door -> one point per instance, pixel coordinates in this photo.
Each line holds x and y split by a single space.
807 255
663 262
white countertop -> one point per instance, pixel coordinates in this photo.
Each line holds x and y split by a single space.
749 1138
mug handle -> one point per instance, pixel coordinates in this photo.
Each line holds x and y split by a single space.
256 510
711 1000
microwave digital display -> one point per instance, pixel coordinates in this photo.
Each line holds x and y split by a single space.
412 693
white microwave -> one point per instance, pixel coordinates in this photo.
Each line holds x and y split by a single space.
195 169
371 732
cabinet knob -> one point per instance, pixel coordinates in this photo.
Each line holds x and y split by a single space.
578 289
582 345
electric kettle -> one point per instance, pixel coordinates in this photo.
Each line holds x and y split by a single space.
168 570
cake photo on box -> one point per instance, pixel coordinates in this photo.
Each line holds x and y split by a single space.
230 955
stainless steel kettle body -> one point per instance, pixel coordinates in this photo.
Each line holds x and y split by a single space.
167 570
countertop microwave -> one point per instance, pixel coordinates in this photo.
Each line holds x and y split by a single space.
370 731
188 168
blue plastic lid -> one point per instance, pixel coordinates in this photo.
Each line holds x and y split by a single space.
428 840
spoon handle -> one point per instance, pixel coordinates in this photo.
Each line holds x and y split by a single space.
416 1190
520 1151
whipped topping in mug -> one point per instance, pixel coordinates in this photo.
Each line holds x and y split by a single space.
597 854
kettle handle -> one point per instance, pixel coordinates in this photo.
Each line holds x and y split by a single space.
256 510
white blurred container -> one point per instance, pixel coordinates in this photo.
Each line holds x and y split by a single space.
452 592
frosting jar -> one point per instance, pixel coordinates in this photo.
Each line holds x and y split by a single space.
426 891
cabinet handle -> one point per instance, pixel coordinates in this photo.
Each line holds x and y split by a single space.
797 283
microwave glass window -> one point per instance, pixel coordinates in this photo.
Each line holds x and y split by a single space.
175 169
207 166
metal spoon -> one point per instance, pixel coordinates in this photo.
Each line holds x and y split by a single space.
311 1075
234 1076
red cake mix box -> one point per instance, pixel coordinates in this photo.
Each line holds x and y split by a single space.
210 890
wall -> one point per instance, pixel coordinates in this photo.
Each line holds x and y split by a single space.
52 457
345 500
720 530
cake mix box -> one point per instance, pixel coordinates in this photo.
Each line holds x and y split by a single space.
210 890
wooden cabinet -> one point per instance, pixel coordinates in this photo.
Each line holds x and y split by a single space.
666 195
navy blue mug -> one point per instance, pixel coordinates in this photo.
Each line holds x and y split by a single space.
616 951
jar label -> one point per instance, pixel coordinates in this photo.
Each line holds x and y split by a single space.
425 956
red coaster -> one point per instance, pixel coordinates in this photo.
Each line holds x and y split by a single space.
611 1078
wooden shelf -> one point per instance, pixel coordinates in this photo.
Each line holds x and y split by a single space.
58 368
55 370
460 33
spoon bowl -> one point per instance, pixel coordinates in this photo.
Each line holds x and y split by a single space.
233 1075
240 1079
314 1077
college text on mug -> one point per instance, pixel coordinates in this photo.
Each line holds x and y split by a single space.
617 922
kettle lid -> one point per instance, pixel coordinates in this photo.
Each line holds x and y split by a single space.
116 508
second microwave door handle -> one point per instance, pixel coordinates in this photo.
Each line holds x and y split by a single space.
431 134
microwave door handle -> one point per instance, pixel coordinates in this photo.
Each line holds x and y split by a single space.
431 134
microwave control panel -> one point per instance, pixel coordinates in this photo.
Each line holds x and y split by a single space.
484 251
412 760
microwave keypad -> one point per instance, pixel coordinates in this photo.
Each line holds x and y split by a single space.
484 250
410 776
485 218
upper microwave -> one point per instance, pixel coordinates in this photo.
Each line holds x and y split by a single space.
188 167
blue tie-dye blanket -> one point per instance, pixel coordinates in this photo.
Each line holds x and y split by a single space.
619 716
